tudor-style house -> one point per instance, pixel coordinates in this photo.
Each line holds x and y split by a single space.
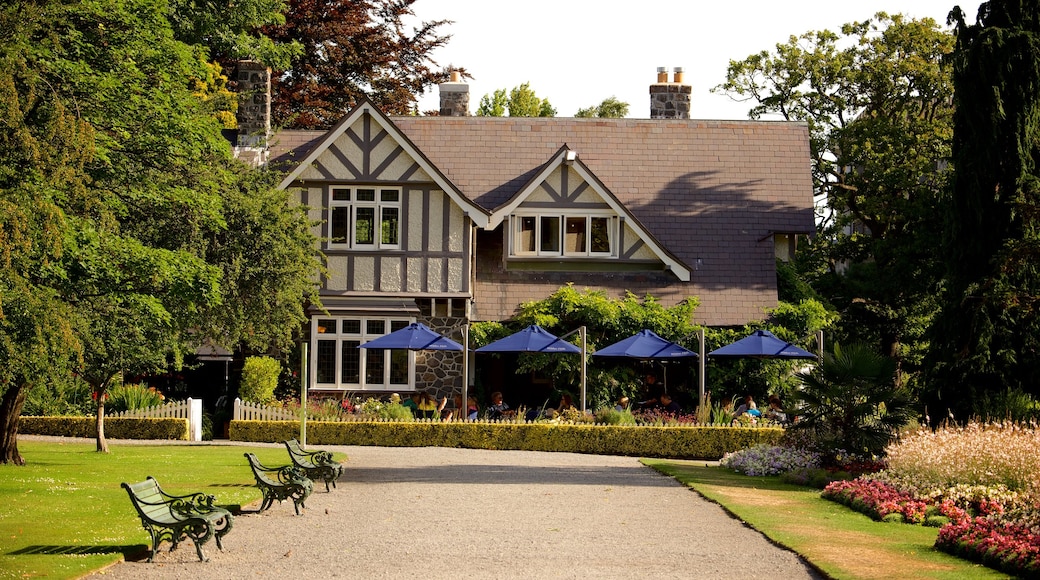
453 219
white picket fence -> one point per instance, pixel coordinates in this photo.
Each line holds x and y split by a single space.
190 409
256 412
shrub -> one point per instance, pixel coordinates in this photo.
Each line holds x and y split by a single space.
770 460
64 397
131 397
259 379
848 401
816 477
609 416
374 409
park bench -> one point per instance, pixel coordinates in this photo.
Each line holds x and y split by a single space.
173 517
316 464
280 483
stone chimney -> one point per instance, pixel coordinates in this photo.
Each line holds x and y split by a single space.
670 100
254 104
454 97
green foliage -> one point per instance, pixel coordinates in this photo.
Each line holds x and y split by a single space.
988 337
1007 405
606 321
70 396
611 416
849 401
372 409
233 30
877 100
115 427
610 108
259 379
131 397
520 102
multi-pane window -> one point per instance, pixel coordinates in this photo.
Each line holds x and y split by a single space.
564 235
340 364
365 218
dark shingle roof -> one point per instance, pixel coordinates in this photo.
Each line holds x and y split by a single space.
694 184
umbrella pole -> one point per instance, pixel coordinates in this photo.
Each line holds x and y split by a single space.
582 369
701 363
464 411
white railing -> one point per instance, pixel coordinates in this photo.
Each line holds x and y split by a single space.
256 412
190 410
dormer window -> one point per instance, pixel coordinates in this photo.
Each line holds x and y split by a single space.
564 234
363 218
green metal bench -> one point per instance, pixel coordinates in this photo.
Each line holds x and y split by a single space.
173 517
316 464
280 483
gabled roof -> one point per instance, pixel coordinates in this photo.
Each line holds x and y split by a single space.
698 187
566 156
320 143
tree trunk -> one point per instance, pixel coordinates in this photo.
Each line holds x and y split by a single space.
10 411
102 445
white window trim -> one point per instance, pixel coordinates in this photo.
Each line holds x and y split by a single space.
353 204
613 224
362 337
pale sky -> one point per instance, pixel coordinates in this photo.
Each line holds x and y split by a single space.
578 52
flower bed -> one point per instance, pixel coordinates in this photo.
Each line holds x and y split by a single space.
770 460
1010 548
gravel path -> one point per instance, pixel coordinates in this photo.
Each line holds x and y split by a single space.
460 513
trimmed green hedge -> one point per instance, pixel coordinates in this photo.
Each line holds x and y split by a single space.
709 443
115 427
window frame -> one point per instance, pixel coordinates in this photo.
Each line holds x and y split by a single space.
520 231
386 201
340 335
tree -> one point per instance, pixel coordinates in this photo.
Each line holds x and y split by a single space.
44 148
987 339
351 50
610 108
521 102
232 30
126 220
877 103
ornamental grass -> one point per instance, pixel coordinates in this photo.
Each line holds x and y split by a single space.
981 454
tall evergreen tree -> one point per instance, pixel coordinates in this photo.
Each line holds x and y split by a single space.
987 337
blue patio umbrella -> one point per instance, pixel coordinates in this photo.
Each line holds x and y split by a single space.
761 344
645 345
534 338
415 336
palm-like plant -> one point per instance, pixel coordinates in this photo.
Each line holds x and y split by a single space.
850 401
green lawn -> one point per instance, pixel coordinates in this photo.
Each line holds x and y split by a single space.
64 514
838 541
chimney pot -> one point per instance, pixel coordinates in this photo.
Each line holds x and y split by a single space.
678 74
662 74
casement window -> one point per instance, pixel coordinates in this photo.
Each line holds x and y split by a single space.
338 363
567 235
364 218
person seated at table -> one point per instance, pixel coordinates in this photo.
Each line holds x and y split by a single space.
665 404
498 408
622 404
746 407
775 411
411 403
426 405
566 402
